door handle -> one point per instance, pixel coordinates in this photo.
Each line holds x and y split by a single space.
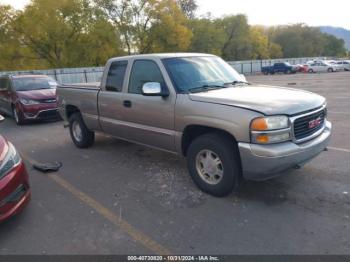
127 103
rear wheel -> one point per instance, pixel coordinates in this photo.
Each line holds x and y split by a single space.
330 70
214 164
310 71
80 134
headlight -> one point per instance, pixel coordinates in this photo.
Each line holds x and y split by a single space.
269 123
28 101
12 159
272 129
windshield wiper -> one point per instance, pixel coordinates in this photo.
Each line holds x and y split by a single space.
237 83
205 88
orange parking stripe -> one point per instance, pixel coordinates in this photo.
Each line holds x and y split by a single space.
107 214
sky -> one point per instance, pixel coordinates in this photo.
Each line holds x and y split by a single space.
270 12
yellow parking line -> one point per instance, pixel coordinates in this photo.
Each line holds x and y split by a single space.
339 149
106 213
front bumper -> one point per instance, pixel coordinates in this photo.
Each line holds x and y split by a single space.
47 114
39 111
14 192
261 162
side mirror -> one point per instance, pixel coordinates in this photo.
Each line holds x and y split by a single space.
153 89
2 119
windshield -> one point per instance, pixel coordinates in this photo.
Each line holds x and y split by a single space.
188 73
33 83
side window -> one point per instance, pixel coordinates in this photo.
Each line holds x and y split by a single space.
144 71
115 77
3 84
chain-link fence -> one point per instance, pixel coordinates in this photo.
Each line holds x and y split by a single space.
66 75
94 74
254 66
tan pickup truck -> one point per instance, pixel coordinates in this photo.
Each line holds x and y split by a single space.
199 107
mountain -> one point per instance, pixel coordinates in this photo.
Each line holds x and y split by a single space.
338 32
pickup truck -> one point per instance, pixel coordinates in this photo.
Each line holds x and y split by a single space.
279 68
197 106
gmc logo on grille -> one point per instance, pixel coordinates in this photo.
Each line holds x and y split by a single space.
315 123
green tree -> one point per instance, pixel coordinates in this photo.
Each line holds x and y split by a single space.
148 25
11 52
66 33
259 43
208 37
300 40
334 46
236 43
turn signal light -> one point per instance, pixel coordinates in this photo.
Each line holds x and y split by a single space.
259 124
262 139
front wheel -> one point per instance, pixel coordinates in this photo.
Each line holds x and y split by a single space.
80 134
214 165
310 71
17 116
330 70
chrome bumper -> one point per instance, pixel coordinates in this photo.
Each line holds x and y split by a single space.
261 162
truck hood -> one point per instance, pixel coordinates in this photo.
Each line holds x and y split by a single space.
269 100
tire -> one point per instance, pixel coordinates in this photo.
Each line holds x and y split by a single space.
224 153
310 71
330 70
17 116
80 134
265 73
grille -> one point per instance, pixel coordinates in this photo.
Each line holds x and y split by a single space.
49 114
306 126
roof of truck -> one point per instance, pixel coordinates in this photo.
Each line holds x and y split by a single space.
161 55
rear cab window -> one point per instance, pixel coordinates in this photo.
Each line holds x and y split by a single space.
116 76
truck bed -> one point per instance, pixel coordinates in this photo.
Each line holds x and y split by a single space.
83 97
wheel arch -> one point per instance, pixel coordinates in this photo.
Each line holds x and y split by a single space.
191 132
70 110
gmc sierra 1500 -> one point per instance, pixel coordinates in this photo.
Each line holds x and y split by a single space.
198 106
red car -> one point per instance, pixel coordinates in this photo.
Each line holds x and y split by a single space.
14 185
28 97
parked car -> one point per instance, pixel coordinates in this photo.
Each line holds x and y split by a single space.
198 106
322 67
14 185
28 97
302 68
279 68
344 65
335 64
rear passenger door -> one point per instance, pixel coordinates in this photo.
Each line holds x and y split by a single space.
149 119
110 99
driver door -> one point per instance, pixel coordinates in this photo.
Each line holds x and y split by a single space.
148 119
